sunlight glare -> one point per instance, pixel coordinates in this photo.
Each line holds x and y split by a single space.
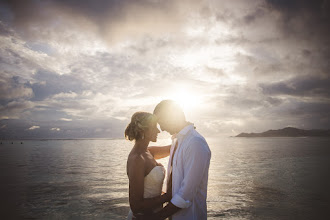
188 100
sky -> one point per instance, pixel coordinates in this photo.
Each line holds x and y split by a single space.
80 69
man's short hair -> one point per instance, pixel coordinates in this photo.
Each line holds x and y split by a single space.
169 108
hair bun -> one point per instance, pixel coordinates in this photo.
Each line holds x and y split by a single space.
139 122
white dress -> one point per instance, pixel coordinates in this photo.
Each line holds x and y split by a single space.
153 184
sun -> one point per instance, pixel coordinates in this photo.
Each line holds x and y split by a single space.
186 98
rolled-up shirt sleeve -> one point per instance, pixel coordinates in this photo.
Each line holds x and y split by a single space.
196 163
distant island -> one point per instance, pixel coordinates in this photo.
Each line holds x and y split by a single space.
288 132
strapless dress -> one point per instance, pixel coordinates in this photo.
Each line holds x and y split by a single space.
153 184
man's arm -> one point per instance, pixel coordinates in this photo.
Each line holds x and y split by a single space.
160 152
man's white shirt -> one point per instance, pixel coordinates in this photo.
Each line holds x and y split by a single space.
191 163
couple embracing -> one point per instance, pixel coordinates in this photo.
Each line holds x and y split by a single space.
187 172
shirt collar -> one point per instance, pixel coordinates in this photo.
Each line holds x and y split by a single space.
184 131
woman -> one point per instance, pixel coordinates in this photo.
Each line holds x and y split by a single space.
144 173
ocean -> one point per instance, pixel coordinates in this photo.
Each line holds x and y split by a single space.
249 178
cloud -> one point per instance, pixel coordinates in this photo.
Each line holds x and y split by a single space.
63 95
76 65
49 84
302 86
309 19
65 119
55 129
11 88
34 127
15 109
110 20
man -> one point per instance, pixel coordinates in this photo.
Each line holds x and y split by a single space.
187 168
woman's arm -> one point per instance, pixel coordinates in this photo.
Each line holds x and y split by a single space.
139 204
159 152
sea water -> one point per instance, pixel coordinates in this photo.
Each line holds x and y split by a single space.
249 178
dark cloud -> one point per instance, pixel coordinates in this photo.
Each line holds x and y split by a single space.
49 83
11 88
148 44
304 86
257 14
309 19
308 114
15 109
293 6
111 20
4 30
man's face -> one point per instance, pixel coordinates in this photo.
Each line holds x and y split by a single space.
166 125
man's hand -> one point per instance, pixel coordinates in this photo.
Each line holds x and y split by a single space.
168 197
164 213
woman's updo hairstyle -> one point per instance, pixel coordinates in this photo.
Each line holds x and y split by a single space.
140 121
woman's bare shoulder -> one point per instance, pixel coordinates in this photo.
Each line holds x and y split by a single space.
135 158
135 161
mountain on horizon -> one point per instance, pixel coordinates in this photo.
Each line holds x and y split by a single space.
288 132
